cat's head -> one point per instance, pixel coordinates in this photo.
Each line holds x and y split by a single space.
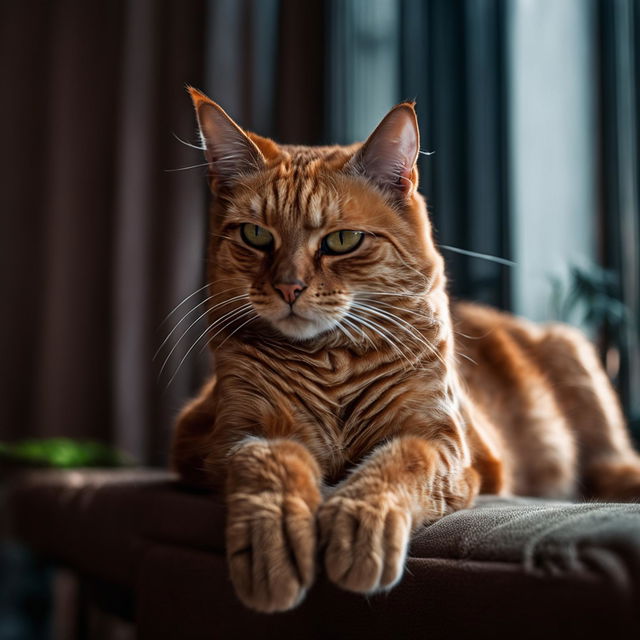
302 237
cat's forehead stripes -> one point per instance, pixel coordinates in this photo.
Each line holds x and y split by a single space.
297 197
297 193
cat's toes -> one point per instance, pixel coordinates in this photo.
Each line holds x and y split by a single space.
271 545
365 541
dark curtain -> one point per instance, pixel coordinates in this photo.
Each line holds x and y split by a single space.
266 66
619 90
454 63
98 240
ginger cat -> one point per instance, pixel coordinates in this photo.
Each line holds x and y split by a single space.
351 405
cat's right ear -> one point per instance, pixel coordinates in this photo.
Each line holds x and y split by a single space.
227 148
388 157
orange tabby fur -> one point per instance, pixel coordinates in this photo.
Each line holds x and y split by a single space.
333 443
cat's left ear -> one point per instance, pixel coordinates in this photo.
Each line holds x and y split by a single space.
388 157
228 149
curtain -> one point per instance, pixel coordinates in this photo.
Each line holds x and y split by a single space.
266 66
619 163
98 239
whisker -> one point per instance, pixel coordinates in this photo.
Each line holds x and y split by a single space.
256 316
483 256
232 314
159 349
226 278
202 315
378 328
360 331
188 144
389 293
215 295
404 325
193 166
179 305
346 332
193 294
469 358
343 331
392 306
229 321
464 335
381 331
164 320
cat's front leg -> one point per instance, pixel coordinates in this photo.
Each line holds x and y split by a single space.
272 495
367 523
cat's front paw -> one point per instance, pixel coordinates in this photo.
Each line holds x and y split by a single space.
365 540
271 546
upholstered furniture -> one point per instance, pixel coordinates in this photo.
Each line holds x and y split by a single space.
151 550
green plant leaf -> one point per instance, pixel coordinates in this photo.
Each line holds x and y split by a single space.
62 453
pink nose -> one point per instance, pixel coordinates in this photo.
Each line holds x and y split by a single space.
290 290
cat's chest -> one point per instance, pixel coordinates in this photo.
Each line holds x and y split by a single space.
342 404
339 405
339 379
349 403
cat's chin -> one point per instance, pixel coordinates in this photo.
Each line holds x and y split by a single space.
296 327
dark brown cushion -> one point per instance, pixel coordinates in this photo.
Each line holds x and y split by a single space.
508 567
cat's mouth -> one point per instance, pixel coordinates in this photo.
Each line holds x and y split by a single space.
295 324
291 316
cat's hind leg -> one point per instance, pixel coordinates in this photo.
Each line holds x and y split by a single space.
609 466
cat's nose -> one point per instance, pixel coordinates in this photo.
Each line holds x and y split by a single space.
290 290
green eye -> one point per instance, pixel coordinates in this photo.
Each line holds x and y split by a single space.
256 236
342 241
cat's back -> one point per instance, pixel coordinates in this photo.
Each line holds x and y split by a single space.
510 371
498 342
495 357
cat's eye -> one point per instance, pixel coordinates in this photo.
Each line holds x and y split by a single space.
256 236
342 241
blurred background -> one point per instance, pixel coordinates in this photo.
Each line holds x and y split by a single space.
528 109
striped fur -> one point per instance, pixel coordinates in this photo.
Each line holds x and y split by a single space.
337 432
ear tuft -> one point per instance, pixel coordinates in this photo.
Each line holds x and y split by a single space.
389 155
228 150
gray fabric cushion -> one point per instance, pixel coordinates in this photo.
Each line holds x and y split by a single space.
541 535
544 538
